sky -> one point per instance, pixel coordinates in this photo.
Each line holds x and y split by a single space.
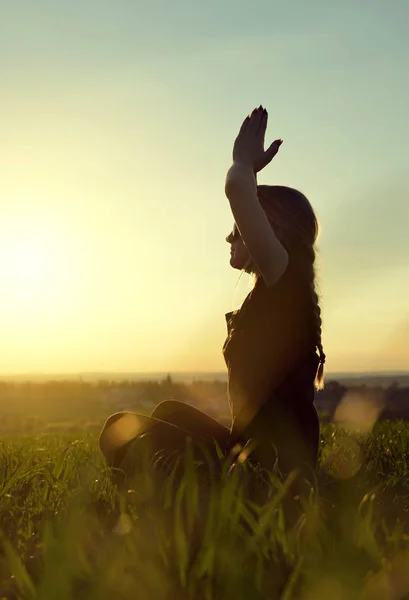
118 120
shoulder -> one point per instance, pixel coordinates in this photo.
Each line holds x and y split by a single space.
288 283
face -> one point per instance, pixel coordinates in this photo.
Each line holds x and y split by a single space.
239 255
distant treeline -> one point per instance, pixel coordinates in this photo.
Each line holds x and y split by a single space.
28 406
36 407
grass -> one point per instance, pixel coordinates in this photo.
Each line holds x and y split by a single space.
67 531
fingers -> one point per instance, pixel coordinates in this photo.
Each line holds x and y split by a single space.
255 119
258 119
250 119
244 124
263 122
273 149
257 122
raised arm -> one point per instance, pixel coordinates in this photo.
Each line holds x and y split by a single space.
267 252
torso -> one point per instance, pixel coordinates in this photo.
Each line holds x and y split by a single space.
269 350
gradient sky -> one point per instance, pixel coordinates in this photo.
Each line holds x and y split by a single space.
117 124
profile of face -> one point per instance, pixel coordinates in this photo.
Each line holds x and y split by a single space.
239 255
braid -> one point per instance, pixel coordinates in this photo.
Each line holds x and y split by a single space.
295 223
306 262
319 379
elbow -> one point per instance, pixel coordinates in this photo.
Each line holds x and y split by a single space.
232 188
274 270
239 182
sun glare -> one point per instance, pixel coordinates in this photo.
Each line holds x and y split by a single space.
29 264
30 257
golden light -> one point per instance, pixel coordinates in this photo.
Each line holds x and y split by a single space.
31 266
28 264
360 409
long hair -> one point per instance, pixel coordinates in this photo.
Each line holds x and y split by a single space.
296 226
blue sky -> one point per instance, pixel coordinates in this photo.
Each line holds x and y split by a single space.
118 121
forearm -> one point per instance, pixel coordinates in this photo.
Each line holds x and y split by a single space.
241 191
249 215
240 175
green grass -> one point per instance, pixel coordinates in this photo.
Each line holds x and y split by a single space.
67 531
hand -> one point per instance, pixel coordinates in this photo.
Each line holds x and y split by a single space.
249 145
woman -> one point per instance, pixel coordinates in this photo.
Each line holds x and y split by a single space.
270 350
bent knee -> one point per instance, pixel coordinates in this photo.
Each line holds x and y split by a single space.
167 408
107 440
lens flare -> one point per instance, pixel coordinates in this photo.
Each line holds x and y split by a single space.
360 409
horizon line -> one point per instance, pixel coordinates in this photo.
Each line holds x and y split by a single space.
179 373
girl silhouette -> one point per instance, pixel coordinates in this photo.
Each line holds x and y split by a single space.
272 340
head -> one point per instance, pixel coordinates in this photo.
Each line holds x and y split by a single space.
239 255
292 218
295 224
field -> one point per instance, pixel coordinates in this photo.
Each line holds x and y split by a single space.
67 530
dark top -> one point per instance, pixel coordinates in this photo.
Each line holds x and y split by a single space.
270 352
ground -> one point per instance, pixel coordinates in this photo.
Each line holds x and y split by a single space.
68 532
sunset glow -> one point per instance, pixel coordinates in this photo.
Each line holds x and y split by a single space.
113 215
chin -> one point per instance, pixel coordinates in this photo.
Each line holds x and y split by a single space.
235 264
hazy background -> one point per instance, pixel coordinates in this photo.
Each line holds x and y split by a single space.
117 123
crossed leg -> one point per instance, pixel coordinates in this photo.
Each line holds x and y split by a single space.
191 419
169 426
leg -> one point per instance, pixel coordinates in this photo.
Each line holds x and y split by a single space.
287 434
191 419
123 428
128 438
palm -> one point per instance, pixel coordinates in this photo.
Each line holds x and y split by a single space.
249 144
